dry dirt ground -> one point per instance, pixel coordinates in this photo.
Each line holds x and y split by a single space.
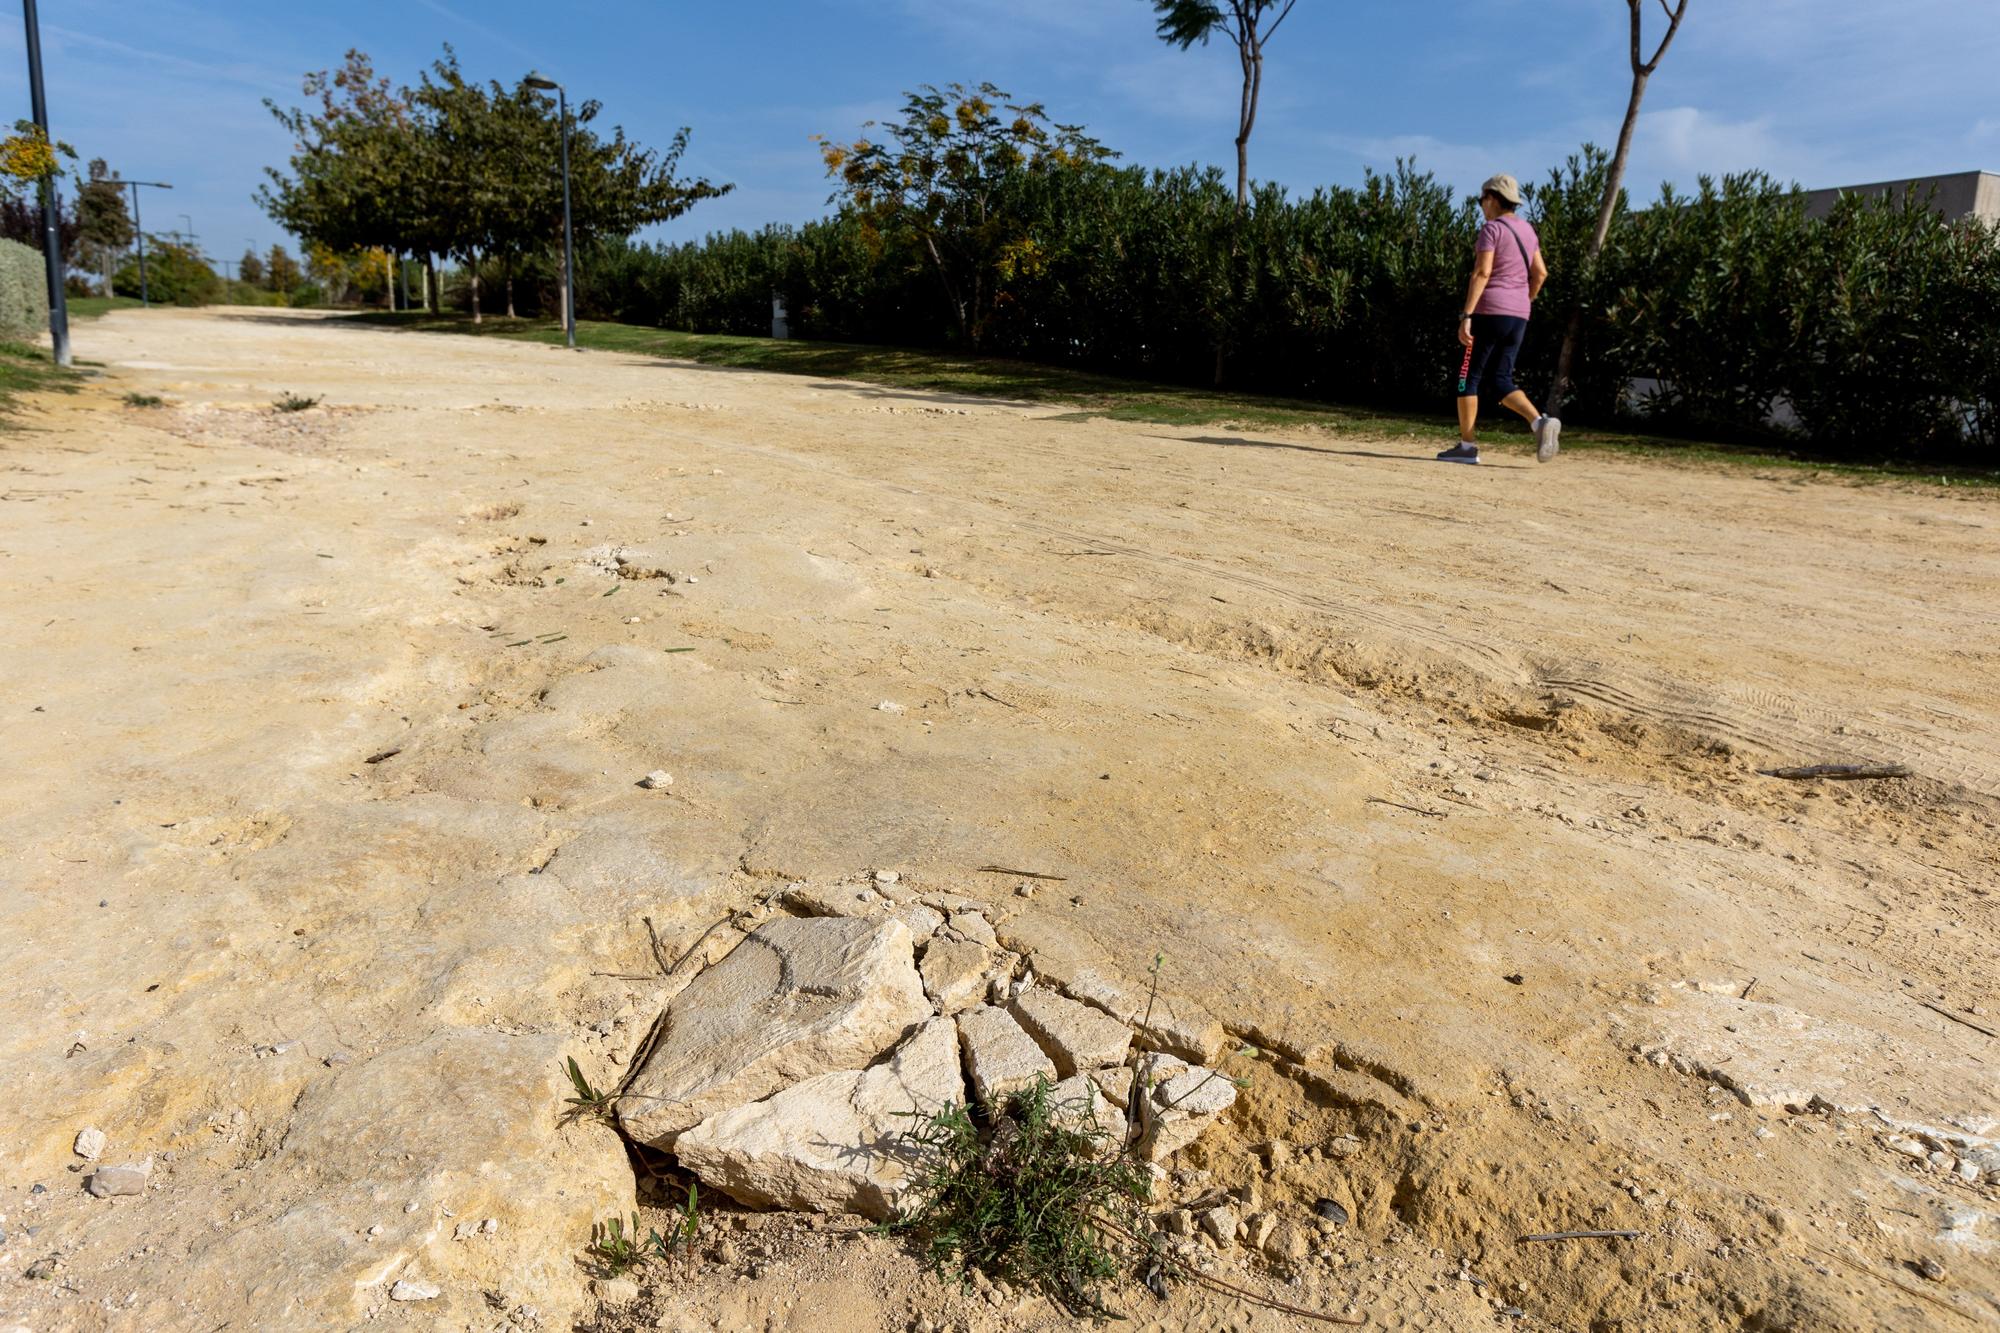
323 845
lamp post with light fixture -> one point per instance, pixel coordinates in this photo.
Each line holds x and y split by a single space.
544 84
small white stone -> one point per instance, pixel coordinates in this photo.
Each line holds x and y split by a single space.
407 1290
89 1144
657 779
889 706
888 876
410 1207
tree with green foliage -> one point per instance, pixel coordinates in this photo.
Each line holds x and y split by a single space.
936 189
1249 25
176 274
455 168
104 226
281 271
250 268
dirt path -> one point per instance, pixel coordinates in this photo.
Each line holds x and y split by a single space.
324 844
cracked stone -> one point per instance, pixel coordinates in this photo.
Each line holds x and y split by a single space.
1076 1036
999 1056
833 1143
796 999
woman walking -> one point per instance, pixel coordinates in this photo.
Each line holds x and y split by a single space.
1507 276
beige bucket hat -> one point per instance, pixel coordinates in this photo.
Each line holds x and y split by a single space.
1505 186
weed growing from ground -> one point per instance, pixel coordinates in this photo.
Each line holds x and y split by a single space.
144 400
588 1103
1041 1199
619 1247
294 402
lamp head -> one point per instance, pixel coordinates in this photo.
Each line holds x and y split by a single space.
539 80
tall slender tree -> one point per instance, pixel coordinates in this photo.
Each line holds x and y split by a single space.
104 227
1249 25
1614 181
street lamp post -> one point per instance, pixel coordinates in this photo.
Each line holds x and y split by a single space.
569 248
139 230
51 223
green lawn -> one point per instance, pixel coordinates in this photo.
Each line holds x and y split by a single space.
1093 395
24 369
90 307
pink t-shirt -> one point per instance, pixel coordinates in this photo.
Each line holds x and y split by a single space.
1507 292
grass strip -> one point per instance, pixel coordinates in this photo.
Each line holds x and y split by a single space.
1093 395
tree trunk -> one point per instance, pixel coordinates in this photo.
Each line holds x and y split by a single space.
1246 118
475 287
433 290
1607 207
1614 182
388 280
507 273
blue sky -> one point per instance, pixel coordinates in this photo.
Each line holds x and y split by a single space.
1824 92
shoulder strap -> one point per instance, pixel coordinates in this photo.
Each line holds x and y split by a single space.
1527 264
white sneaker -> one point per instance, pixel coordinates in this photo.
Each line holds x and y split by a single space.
1548 438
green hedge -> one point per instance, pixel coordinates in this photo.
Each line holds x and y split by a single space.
1868 333
24 291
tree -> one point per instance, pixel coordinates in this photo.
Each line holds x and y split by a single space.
1249 24
281 271
938 188
175 273
104 227
1614 182
250 268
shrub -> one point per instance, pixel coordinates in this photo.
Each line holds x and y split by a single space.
24 291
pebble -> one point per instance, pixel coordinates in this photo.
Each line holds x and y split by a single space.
888 876
657 779
1931 1269
410 1207
407 1290
1331 1211
888 706
89 1144
113 1181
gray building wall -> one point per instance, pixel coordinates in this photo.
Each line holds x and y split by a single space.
1961 194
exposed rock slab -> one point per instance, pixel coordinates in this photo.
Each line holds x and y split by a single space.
831 1144
1080 1104
1181 1106
796 999
1076 1036
1083 971
1000 1058
955 973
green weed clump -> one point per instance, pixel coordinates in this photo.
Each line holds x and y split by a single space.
144 400
1039 1198
619 1247
294 402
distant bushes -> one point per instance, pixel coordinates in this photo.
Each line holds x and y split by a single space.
1868 333
24 291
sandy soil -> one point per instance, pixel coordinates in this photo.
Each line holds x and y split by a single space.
323 843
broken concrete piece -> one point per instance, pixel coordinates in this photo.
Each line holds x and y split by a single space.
1085 972
972 926
1076 1036
834 1143
955 973
1116 1084
999 1056
833 900
1182 1107
1080 1105
1220 1224
923 921
109 1182
797 998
